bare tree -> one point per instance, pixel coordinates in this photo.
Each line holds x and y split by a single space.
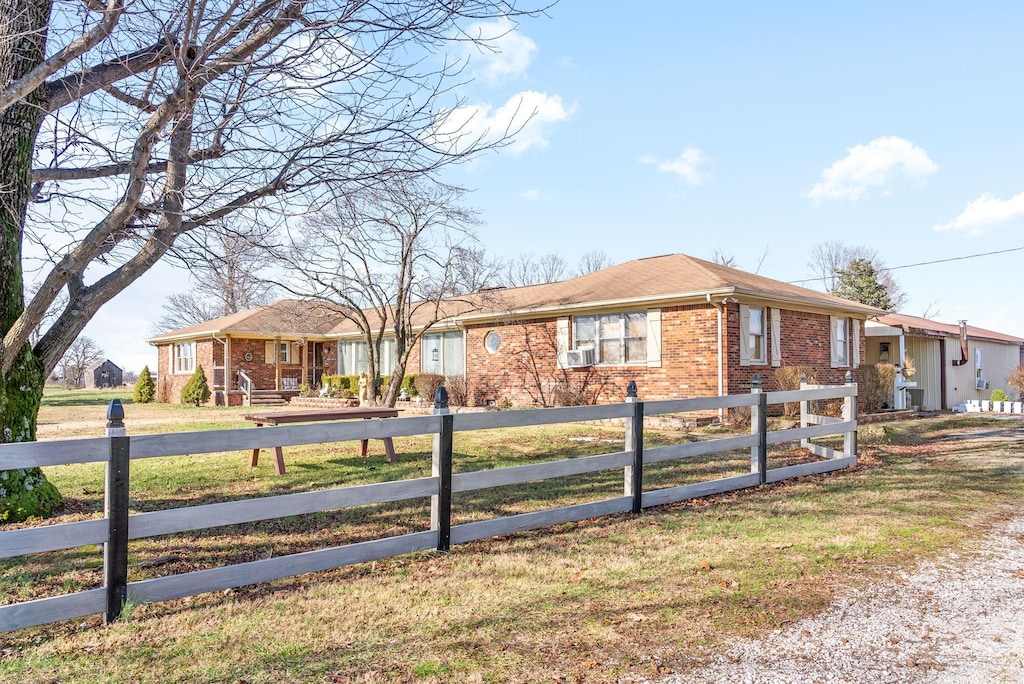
476 272
527 269
82 353
185 309
932 310
227 278
720 257
594 260
125 124
387 259
830 258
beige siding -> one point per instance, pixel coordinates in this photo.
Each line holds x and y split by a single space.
925 353
874 344
999 360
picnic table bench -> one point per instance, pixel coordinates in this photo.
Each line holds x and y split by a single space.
316 415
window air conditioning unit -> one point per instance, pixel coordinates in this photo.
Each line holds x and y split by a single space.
579 358
981 383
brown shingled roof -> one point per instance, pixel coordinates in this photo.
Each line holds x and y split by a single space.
643 282
661 279
283 317
924 326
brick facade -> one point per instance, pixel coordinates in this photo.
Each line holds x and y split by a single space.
524 372
210 354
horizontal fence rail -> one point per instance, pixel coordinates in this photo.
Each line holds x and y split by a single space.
114 531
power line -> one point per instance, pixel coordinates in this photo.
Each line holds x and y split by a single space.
928 263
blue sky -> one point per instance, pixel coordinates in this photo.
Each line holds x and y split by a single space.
744 127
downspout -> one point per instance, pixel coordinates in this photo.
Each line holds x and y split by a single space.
721 382
227 362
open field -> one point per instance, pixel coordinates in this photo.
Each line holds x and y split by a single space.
582 602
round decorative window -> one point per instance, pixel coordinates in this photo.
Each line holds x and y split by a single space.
492 342
248 356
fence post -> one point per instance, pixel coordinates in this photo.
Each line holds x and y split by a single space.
850 414
804 412
441 468
115 508
759 427
634 474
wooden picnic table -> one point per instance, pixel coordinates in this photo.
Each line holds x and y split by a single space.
316 415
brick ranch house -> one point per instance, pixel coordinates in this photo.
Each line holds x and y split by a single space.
676 325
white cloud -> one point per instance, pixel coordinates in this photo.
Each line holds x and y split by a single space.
504 51
533 194
987 210
686 165
525 119
871 167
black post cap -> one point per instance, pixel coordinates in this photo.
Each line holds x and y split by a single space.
441 398
757 380
631 389
115 414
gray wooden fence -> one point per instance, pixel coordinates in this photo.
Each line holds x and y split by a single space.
117 528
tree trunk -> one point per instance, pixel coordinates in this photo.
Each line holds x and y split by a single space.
24 493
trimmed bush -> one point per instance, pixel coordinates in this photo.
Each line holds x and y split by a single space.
197 390
427 384
409 383
145 388
999 395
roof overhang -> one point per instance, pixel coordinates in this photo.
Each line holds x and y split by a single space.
682 298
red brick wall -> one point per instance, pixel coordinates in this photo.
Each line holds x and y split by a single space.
210 353
169 383
805 339
689 360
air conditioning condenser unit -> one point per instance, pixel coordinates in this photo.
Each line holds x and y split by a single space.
579 358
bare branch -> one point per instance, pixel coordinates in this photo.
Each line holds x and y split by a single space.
20 88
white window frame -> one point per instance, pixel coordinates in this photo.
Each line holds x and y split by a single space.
387 361
183 363
444 339
622 338
839 344
753 345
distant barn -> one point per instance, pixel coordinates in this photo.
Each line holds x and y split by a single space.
104 374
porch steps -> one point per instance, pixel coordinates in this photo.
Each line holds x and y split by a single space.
269 398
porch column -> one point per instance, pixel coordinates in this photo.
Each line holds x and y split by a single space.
277 363
304 350
227 370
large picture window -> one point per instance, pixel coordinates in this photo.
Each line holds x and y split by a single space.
353 359
443 354
184 357
617 339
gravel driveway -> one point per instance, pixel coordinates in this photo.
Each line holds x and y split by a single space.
957 619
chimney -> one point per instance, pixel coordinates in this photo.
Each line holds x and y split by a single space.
963 345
